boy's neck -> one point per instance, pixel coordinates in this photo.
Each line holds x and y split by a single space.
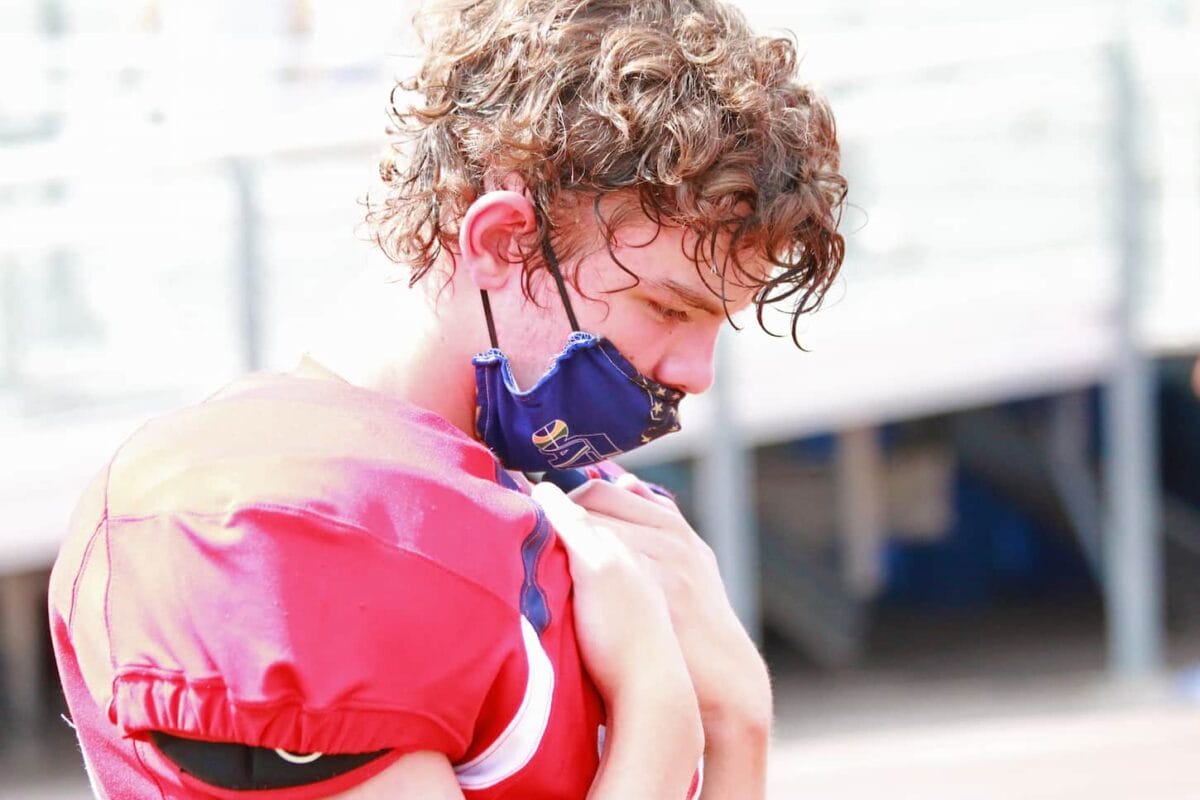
414 344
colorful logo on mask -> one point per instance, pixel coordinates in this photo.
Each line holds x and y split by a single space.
562 450
548 434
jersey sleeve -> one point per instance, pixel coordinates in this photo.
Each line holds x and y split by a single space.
285 628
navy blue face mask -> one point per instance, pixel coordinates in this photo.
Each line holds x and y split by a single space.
591 405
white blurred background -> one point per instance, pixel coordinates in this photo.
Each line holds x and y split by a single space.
965 525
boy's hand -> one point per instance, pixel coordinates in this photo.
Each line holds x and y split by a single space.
622 623
729 676
630 651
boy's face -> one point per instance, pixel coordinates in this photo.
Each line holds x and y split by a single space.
666 324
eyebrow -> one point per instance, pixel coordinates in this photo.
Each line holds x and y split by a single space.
705 301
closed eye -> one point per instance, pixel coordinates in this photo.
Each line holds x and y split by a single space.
668 314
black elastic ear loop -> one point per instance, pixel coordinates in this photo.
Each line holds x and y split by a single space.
491 323
552 263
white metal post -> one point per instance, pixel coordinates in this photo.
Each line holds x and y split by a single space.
1132 548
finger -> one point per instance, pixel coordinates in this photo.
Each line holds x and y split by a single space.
633 483
605 498
569 520
655 544
583 534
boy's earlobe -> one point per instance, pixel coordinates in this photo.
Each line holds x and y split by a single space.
491 234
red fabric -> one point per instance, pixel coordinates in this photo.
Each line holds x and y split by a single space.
301 564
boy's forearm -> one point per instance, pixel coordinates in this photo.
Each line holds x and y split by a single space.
735 764
651 749
735 755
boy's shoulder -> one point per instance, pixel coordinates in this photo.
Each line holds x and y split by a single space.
314 445
268 555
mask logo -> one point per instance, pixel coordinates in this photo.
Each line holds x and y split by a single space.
562 450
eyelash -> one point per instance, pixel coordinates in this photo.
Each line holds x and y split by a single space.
668 314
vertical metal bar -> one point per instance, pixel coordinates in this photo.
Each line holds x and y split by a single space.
1132 548
248 263
725 491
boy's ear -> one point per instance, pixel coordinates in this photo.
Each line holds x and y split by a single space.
490 236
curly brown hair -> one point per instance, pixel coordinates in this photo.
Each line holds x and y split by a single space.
675 104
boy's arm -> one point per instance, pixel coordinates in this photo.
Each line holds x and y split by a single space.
654 736
648 730
735 758
730 679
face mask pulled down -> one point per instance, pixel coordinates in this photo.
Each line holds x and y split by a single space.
590 405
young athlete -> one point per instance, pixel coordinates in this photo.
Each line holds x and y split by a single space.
360 578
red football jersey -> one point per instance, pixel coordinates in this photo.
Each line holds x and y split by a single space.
301 564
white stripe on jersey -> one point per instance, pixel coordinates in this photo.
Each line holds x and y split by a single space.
515 746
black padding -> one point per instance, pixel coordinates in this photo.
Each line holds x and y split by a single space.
242 767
